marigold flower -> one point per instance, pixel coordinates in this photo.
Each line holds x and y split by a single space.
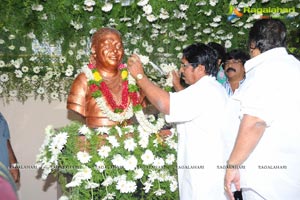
97 76
124 74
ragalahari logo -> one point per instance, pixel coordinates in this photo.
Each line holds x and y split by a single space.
234 13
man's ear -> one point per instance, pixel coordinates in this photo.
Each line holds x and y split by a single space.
200 69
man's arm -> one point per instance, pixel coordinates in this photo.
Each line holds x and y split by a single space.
14 170
157 96
250 132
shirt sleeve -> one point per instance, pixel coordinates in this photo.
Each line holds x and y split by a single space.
4 128
258 99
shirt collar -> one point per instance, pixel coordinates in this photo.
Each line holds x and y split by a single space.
257 60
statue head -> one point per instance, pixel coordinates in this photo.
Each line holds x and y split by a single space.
107 48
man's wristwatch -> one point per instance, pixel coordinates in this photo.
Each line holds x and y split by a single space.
139 76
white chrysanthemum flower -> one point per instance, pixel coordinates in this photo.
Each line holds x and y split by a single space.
248 25
144 141
172 144
170 159
164 14
37 7
149 49
130 163
233 2
160 49
122 185
36 69
138 174
102 130
40 90
72 44
181 15
118 160
44 16
153 175
74 183
213 2
100 165
23 48
54 95
63 198
147 9
18 73
109 196
76 25
159 192
89 3
173 186
183 7
107 7
113 141
35 78
133 41
31 35
228 44
69 72
151 18
62 59
2 41
142 3
83 157
84 130
214 24
104 151
147 186
11 47
131 186
25 69
70 52
158 162
147 157
207 30
84 174
76 7
129 144
91 185
108 181
217 18
2 63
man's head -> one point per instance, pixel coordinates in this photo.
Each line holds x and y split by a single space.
234 64
107 47
198 60
220 51
266 34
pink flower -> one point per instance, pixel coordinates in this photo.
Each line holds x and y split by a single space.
122 66
91 66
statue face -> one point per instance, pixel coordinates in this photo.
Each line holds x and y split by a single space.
109 50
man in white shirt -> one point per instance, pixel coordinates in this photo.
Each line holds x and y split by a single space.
197 110
267 144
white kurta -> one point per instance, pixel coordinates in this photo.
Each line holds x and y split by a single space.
197 110
271 92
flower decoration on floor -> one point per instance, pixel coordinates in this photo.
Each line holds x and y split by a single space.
110 163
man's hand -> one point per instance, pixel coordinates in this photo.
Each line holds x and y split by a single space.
15 172
232 176
135 66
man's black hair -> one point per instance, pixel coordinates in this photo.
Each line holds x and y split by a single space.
200 53
267 34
